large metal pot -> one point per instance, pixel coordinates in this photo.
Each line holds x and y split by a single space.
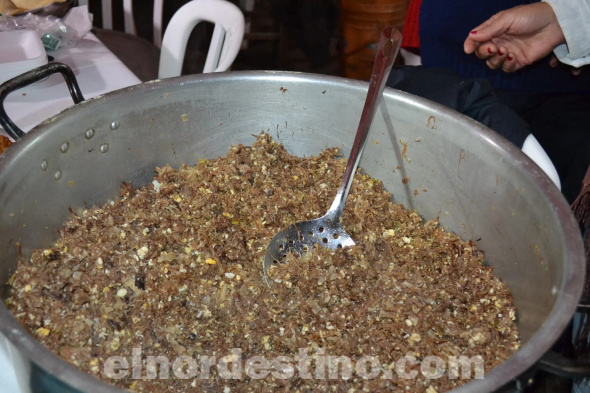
480 185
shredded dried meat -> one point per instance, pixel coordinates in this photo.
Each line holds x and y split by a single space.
175 268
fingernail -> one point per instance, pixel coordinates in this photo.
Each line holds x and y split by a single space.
474 32
500 52
509 57
490 50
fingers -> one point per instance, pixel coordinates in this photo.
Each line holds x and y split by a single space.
470 46
554 63
484 33
503 59
492 28
510 64
474 38
497 60
473 43
487 50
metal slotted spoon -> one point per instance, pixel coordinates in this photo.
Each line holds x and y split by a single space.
327 231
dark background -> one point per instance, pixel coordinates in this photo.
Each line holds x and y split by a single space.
293 35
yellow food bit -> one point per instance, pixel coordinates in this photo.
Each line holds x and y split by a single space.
115 344
27 288
184 118
477 338
265 339
43 331
430 389
389 233
210 261
142 252
230 358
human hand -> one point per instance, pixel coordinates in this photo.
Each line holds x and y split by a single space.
554 63
517 37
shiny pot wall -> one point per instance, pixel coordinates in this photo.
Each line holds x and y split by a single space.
481 186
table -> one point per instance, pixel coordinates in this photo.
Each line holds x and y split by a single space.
98 71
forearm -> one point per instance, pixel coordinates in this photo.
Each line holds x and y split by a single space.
574 19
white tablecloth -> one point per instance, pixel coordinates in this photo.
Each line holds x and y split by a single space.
98 71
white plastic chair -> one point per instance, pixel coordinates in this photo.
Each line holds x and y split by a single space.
129 22
225 43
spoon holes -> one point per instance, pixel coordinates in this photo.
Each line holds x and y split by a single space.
325 240
305 248
281 247
275 262
321 229
340 246
284 256
335 236
291 242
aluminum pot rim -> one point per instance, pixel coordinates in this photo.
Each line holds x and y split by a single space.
540 342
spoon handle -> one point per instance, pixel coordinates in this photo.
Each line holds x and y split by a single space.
387 50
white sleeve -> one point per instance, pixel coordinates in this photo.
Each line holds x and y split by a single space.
574 18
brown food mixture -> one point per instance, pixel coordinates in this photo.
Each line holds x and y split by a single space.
4 143
175 269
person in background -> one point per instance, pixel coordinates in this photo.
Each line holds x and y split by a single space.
517 37
552 100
